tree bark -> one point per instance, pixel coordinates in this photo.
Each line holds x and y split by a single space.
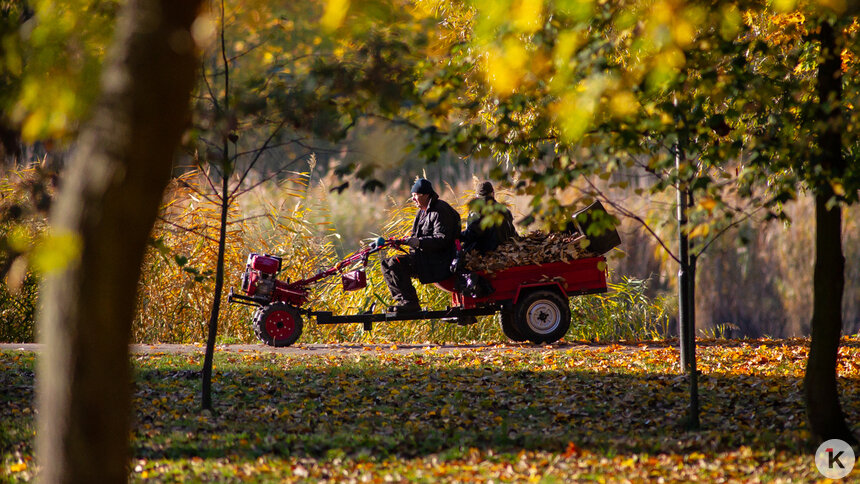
109 199
226 171
821 392
208 360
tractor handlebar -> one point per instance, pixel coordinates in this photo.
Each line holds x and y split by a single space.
381 243
361 255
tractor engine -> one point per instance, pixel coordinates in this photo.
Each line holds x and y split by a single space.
259 279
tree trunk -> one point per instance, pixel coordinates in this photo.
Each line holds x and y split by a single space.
108 200
206 385
226 170
826 420
823 410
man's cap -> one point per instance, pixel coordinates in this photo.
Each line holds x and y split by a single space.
485 190
423 186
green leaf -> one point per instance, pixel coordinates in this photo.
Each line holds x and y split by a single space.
55 250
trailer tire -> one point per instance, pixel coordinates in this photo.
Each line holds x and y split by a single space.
278 324
542 316
509 328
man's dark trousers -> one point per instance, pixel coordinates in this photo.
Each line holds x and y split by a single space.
398 272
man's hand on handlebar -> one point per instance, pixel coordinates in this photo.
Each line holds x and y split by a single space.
398 243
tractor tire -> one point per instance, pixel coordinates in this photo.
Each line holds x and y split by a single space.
278 324
506 321
542 316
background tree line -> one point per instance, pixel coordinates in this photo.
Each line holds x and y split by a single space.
274 79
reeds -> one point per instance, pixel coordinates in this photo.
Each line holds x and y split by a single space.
25 196
755 280
298 222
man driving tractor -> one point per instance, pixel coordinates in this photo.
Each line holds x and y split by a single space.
434 230
531 297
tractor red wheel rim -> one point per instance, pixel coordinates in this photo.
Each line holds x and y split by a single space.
280 325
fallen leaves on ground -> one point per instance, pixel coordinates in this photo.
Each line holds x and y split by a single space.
608 413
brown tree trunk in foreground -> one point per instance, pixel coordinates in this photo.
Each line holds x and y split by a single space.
109 199
826 420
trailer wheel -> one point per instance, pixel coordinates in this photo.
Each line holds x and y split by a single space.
278 324
506 321
542 317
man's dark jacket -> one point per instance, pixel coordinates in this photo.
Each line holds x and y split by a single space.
436 229
487 239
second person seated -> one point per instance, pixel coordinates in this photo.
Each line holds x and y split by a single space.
498 228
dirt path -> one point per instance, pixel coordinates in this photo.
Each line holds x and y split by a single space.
355 348
328 349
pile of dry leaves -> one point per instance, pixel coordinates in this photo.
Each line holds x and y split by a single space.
534 248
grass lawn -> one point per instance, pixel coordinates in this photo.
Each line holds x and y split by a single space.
604 413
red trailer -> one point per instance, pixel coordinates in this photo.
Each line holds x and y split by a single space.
532 300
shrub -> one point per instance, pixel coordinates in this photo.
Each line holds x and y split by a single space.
18 311
25 197
176 285
625 312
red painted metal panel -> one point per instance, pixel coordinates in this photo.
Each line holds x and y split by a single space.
296 297
573 277
265 263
